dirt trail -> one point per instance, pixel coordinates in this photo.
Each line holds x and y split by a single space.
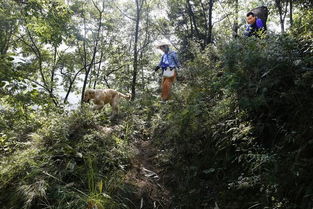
146 176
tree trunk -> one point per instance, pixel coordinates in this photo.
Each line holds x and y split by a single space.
193 22
72 80
85 61
95 48
210 21
282 13
206 27
52 84
236 24
282 25
98 70
291 11
139 4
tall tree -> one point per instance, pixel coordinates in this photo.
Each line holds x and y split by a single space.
88 66
138 35
236 21
282 7
291 12
193 21
44 25
139 7
8 29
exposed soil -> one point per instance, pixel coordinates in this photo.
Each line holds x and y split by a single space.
146 176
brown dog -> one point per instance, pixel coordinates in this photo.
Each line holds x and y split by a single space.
101 97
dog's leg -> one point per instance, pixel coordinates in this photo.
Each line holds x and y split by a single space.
114 105
98 105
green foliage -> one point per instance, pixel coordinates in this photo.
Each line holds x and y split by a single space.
48 20
240 134
190 20
303 31
8 25
6 73
66 162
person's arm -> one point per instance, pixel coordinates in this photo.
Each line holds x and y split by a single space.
160 64
248 31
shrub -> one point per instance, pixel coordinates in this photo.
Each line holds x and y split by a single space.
241 134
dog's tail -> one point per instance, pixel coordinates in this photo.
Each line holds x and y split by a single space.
126 96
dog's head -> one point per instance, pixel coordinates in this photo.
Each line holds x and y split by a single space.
89 94
128 96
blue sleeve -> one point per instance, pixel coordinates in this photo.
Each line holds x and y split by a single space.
259 23
248 30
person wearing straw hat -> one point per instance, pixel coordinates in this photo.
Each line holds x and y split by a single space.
169 64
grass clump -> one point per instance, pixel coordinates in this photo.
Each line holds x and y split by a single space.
71 162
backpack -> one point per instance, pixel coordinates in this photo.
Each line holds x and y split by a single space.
261 13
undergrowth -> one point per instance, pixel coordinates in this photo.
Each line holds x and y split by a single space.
237 134
69 162
240 136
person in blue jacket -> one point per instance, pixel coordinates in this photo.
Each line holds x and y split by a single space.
169 58
255 26
169 61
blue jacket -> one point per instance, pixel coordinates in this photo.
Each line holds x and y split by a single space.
169 59
254 29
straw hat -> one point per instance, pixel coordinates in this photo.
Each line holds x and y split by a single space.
162 43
